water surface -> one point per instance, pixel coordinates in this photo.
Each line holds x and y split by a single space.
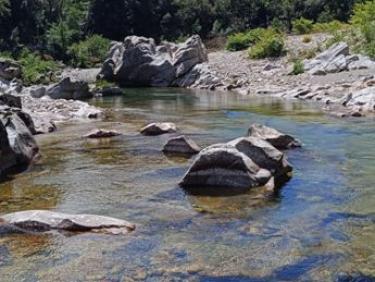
322 223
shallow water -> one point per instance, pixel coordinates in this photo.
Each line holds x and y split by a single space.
322 223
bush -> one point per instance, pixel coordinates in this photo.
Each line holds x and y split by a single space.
271 44
298 67
330 27
306 39
364 19
243 40
302 26
89 52
35 68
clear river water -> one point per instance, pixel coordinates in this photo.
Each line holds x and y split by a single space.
321 223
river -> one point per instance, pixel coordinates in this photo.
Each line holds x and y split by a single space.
321 223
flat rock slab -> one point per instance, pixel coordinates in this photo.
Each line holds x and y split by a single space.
102 133
159 128
43 221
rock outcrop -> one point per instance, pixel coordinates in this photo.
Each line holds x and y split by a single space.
336 59
43 221
279 140
158 128
181 145
138 61
17 144
69 89
237 166
361 100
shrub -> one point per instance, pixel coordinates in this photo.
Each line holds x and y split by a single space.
238 41
243 40
302 26
271 44
89 52
35 68
298 67
330 27
364 19
306 39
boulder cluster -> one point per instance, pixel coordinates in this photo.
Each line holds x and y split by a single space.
242 164
139 61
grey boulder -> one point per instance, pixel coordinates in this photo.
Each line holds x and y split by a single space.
69 89
334 59
158 128
277 139
9 69
224 167
17 146
43 221
181 145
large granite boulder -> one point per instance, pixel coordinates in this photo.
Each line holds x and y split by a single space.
181 145
11 101
237 166
138 61
224 167
158 128
69 89
9 69
43 221
277 139
17 146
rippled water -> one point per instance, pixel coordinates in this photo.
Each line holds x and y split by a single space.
323 221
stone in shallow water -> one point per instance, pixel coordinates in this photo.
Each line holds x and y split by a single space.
154 129
102 133
42 221
277 139
181 145
224 167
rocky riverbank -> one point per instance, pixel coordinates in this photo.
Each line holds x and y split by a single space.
341 82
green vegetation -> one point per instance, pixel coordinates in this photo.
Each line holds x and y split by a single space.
271 44
302 26
243 40
306 39
89 52
35 69
66 29
364 20
298 67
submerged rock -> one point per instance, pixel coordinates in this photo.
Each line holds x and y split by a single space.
102 133
68 89
138 61
277 139
158 128
181 145
43 221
